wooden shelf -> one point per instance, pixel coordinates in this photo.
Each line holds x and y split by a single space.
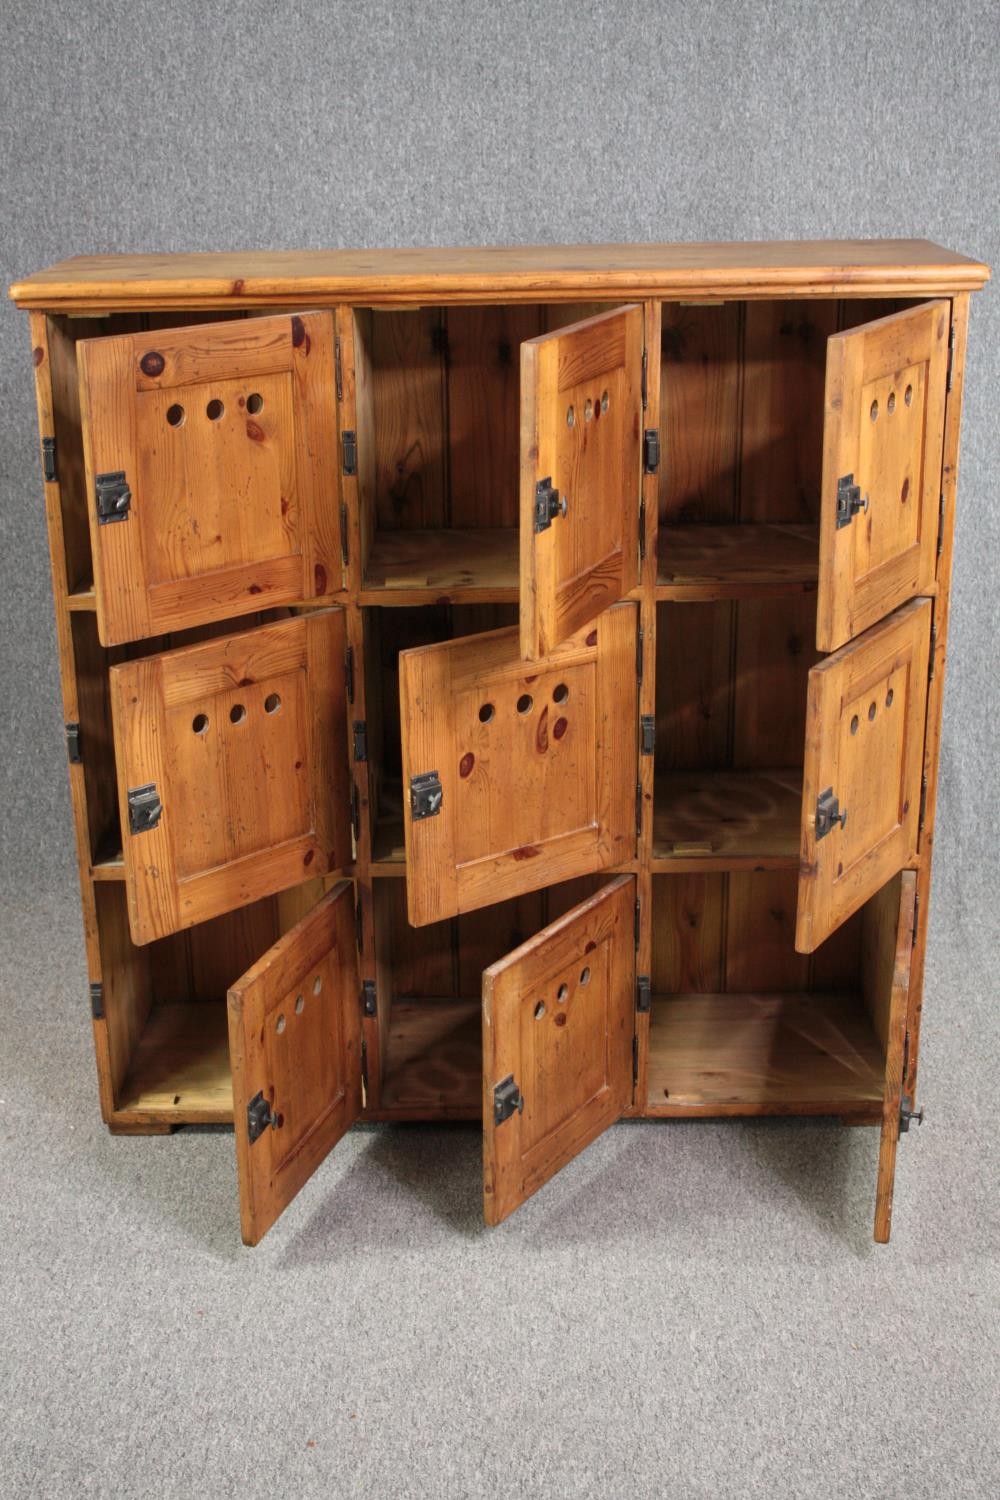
82 598
109 864
476 566
388 848
726 819
798 1053
180 1073
434 1060
736 562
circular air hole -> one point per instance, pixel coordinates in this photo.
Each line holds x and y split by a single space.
562 994
279 1025
855 722
255 402
891 402
873 411
317 984
524 703
175 415
214 409
560 693
604 401
908 394
888 698
200 723
486 713
872 711
539 1010
237 713
272 703
571 416
585 974
588 410
300 1004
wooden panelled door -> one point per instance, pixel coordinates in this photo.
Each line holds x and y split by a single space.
517 776
882 450
865 718
232 770
295 1047
581 474
211 471
558 1021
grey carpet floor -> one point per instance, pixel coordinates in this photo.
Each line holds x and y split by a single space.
689 1310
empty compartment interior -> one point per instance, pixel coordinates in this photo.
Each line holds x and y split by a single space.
742 1024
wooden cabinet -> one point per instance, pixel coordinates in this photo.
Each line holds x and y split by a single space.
523 668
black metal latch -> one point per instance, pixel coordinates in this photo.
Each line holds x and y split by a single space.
259 1116
849 500
369 1003
507 1100
114 498
49 471
548 504
647 733
651 450
643 994
426 796
144 808
907 1114
828 813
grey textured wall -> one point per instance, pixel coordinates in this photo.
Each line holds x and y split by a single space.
152 127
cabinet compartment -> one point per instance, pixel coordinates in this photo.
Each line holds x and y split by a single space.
742 1024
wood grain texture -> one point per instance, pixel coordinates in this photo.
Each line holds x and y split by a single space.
537 763
581 430
885 397
557 1017
434 1060
295 1036
727 819
228 448
864 739
699 412
244 739
443 566
736 562
888 940
530 273
179 1070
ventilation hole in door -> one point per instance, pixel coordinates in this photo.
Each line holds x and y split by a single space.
560 693
272 703
562 994
175 415
588 410
585 974
855 722
872 710
214 409
908 395
604 401
539 1010
317 984
300 1004
873 411
571 416
889 697
279 1025
486 713
237 713
891 403
200 723
255 402
524 703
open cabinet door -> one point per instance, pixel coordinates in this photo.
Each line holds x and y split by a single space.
882 449
516 777
558 1021
889 946
581 474
295 1047
232 770
211 471
865 715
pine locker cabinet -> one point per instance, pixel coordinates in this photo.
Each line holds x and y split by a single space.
502 684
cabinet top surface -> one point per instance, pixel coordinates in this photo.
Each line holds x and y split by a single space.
753 268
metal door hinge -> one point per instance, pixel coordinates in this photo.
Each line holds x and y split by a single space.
360 739
849 501
507 1100
359 920
647 733
638 923
940 539
951 357
645 378
97 1001
259 1116
643 994
828 813
635 1058
345 539
114 498
144 808
638 808
642 529
355 813
548 504
49 472
369 1005
907 1114
651 450
349 441
923 804
426 796
73 743
338 368
364 1067
640 639
916 924
933 653
349 673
